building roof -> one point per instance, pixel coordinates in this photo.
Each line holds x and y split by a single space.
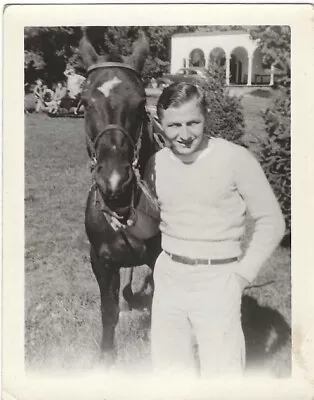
213 33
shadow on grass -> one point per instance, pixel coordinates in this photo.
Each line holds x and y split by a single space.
265 329
261 93
286 241
141 300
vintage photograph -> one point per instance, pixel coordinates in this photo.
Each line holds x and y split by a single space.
157 194
205 110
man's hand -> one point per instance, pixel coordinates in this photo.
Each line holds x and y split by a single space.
242 282
117 225
132 218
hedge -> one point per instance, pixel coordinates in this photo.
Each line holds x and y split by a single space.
225 118
276 151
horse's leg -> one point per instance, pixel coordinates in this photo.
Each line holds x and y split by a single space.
125 292
108 281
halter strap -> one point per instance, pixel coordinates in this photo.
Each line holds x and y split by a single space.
110 65
93 144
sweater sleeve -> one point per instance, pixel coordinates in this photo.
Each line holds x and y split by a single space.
269 225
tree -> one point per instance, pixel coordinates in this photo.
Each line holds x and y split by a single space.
276 151
51 47
154 68
48 50
275 45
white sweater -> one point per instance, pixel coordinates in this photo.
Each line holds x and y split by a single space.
203 205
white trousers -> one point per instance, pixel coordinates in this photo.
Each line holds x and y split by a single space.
202 303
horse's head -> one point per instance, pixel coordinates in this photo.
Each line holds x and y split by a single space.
114 100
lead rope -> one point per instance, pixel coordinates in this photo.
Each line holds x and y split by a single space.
140 182
93 160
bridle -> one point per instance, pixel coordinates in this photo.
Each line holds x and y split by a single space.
92 144
109 65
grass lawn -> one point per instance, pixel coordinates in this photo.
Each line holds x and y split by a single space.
62 317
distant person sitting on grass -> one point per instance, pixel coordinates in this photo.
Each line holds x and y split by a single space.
43 96
47 95
59 94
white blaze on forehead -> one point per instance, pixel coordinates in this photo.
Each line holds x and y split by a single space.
108 85
114 179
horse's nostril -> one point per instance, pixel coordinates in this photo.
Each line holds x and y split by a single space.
99 169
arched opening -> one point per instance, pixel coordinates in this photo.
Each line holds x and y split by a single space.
197 58
218 57
239 66
259 73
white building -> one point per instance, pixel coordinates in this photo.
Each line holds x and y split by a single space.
234 50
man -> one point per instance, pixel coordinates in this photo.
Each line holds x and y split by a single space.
74 86
204 187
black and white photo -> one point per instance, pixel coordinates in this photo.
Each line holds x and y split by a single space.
156 199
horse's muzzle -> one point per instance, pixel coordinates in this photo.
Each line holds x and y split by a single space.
119 199
123 189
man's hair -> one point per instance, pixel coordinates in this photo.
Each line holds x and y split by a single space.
179 93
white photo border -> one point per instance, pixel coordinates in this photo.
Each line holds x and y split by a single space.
16 384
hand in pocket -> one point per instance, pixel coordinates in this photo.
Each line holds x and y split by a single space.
242 282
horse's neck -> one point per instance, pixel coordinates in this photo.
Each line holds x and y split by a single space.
148 147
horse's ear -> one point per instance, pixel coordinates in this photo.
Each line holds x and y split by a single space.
140 51
87 51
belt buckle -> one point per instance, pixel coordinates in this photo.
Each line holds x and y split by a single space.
200 261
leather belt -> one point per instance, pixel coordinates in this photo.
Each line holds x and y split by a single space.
203 261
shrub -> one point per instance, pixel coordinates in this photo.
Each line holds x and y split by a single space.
225 118
275 154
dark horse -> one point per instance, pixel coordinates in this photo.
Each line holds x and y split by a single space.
119 143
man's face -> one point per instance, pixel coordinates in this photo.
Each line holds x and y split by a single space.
184 127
